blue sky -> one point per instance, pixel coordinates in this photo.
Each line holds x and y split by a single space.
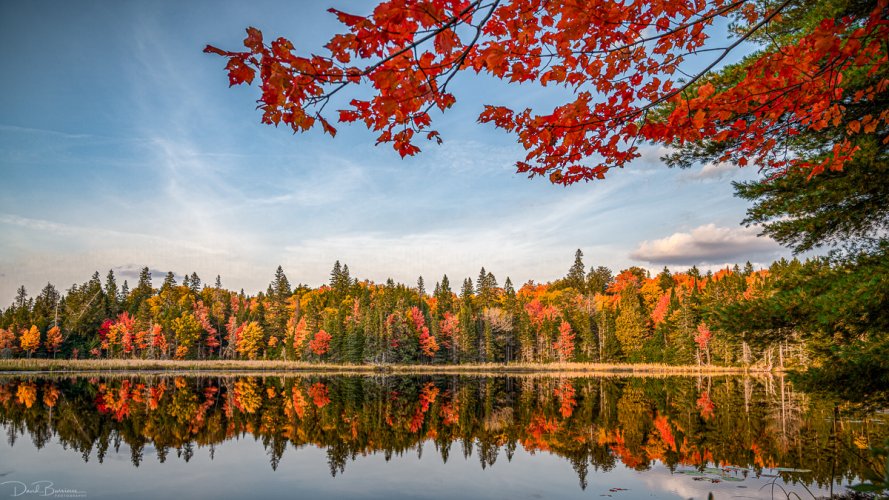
121 146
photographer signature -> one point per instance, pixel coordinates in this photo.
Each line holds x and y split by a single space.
41 489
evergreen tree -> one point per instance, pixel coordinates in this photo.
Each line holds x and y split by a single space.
280 285
169 282
112 295
599 279
509 291
576 277
21 297
467 291
468 338
278 292
346 279
195 283
486 288
84 310
487 342
665 280
143 291
45 310
444 296
421 288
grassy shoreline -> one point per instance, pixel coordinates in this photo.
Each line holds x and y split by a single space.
262 366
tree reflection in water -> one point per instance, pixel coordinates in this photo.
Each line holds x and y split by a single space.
723 426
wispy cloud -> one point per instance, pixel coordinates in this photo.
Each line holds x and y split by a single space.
42 131
100 235
712 172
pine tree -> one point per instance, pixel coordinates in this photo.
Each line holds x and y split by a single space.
488 342
665 280
45 309
112 294
345 279
466 293
143 291
280 285
195 283
576 277
278 292
21 297
444 296
169 282
421 288
486 288
468 338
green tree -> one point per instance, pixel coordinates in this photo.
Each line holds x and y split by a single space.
630 324
112 295
576 277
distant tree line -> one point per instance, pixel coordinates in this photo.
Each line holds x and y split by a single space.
736 316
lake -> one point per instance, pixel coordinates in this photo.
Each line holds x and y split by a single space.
224 435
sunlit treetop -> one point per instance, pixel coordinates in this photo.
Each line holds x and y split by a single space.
625 63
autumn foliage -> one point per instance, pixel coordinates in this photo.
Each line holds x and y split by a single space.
622 63
320 343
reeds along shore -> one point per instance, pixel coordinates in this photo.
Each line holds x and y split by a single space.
65 365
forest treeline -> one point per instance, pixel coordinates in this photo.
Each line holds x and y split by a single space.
775 317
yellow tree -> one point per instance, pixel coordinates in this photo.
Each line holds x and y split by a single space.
187 330
30 340
250 340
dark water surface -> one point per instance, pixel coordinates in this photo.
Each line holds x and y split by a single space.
321 436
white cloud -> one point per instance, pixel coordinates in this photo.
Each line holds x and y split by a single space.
712 171
707 244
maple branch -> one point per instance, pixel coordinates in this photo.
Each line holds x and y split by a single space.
455 20
675 30
686 85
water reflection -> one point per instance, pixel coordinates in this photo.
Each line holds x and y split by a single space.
714 432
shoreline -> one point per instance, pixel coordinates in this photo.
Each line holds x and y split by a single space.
57 366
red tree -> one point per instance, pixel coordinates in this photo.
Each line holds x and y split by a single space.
621 60
703 340
320 343
564 346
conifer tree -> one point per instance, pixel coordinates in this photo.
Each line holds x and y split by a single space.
665 280
598 279
195 283
444 295
576 277
144 289
169 281
45 309
112 294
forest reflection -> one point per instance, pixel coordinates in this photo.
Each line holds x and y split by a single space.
733 426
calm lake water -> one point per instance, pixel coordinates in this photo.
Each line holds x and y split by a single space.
321 436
